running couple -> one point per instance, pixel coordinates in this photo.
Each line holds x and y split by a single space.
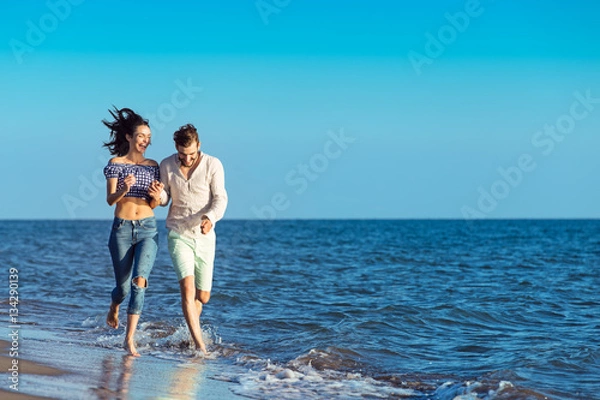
194 183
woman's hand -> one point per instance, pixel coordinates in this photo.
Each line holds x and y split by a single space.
155 189
128 182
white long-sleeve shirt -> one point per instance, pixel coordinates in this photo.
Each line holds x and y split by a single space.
203 194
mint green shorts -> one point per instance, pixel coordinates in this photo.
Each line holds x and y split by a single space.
193 257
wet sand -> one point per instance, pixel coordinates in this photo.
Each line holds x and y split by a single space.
51 368
24 367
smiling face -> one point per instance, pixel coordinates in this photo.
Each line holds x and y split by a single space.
141 139
189 154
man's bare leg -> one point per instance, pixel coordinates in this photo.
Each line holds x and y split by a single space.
202 298
192 308
201 346
132 321
112 318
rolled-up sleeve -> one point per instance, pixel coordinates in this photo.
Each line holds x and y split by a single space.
165 195
218 193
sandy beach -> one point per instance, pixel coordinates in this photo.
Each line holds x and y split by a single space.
50 367
25 367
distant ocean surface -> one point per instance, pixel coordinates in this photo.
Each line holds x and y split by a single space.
412 309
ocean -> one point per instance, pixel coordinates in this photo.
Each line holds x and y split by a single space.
336 309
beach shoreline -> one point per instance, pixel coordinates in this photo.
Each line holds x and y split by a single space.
50 367
16 367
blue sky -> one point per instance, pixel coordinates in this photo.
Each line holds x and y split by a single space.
356 109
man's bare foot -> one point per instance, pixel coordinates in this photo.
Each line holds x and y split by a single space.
112 318
130 347
202 347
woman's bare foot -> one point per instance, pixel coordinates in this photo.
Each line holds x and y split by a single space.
112 318
132 321
130 347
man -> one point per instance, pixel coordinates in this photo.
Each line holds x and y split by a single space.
195 184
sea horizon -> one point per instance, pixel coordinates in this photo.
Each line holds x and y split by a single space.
335 219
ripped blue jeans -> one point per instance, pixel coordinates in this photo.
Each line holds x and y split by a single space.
133 246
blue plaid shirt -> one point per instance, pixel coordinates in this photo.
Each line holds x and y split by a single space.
144 175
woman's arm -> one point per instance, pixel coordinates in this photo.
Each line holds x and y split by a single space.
153 203
112 194
155 191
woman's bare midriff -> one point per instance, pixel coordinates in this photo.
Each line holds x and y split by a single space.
133 208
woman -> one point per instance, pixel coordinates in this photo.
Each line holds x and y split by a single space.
133 184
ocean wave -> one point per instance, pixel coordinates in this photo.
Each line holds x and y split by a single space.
327 374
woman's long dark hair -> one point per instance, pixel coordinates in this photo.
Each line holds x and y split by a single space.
125 122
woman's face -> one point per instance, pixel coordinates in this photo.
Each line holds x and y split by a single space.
141 139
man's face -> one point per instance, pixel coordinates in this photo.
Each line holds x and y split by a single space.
188 155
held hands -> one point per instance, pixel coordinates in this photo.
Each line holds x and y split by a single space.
155 189
205 225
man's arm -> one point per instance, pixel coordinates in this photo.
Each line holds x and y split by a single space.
219 194
165 196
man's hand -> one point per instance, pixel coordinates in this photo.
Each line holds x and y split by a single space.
206 225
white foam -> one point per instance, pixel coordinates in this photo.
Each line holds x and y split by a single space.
470 396
472 390
299 379
296 380
111 341
91 322
505 385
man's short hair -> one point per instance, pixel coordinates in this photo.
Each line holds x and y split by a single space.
186 135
